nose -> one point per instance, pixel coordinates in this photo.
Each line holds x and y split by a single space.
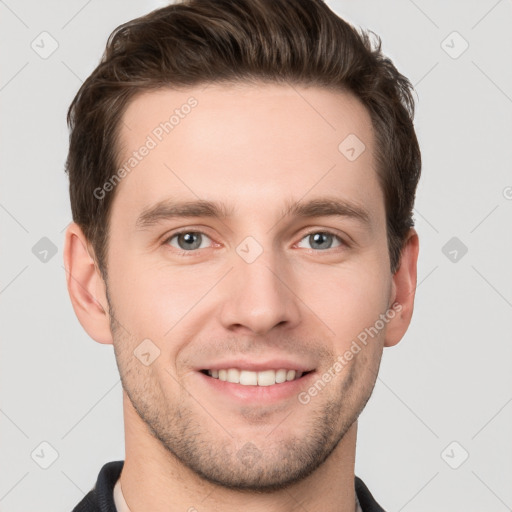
259 296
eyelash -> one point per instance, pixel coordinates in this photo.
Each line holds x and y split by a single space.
194 252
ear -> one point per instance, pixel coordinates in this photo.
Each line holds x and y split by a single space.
86 286
403 290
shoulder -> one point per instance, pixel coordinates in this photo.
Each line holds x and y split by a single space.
101 497
366 500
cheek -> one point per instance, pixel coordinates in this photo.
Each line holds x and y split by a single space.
351 299
151 299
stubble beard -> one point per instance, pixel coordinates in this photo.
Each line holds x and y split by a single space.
219 455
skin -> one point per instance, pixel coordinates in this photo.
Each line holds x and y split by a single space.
252 148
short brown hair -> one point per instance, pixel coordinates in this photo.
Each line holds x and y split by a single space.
227 41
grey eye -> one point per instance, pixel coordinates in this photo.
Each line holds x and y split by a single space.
321 240
188 240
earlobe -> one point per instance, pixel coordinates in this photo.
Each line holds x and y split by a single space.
403 290
86 286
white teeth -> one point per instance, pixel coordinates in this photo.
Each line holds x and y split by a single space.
249 378
233 375
266 378
280 376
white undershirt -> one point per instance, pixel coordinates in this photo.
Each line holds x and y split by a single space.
119 500
121 505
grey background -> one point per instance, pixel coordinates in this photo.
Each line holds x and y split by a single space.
449 380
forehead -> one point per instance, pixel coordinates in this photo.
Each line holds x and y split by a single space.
246 144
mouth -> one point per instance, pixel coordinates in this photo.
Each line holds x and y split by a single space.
262 378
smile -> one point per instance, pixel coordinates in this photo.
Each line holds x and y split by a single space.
255 378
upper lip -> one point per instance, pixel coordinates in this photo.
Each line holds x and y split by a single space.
258 366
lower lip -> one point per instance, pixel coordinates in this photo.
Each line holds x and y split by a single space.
259 394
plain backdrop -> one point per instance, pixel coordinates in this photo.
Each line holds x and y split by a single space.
436 433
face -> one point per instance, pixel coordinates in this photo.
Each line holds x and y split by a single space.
246 243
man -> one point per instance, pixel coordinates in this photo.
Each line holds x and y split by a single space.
242 179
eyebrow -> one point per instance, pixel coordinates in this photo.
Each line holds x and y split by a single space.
319 207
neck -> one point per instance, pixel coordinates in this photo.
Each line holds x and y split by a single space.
153 479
